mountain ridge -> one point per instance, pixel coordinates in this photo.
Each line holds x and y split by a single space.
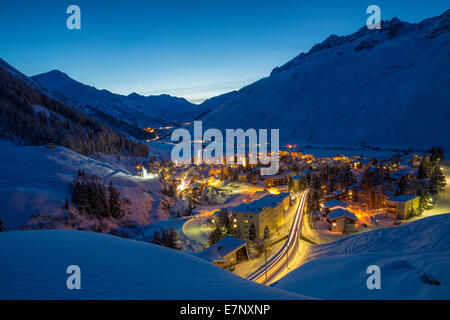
372 86
134 109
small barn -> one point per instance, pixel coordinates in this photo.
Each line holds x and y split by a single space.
342 221
226 252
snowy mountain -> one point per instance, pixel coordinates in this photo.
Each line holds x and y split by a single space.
32 116
34 266
414 260
388 87
134 109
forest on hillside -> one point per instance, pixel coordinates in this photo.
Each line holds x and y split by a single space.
30 117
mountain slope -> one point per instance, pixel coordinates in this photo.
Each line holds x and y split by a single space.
133 109
385 87
34 266
35 182
30 116
414 260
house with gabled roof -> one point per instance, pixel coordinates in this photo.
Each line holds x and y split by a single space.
226 252
342 220
335 204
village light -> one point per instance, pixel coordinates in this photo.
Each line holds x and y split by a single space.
234 220
334 224
235 226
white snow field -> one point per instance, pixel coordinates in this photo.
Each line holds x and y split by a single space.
34 263
414 259
36 180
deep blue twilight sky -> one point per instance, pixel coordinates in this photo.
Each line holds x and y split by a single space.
190 48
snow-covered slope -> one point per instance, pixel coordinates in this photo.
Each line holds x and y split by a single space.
388 87
33 266
135 109
36 180
414 261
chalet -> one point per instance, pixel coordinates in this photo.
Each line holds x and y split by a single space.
342 220
296 155
226 252
400 207
407 174
283 152
243 177
335 204
337 195
339 157
417 160
268 211
361 164
275 180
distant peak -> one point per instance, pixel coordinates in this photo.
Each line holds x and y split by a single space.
54 79
54 73
134 95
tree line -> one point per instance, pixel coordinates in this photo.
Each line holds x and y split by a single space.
93 199
166 238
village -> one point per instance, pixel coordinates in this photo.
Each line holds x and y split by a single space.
240 217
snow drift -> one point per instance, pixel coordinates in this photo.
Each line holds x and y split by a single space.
34 266
414 261
36 180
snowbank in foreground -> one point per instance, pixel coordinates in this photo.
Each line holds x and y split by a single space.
33 266
414 261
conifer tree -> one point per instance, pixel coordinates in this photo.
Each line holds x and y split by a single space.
115 208
266 233
2 226
252 232
215 236
437 181
156 238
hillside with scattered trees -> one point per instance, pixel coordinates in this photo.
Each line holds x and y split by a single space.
30 117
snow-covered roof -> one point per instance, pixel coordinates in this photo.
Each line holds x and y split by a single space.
316 213
403 172
222 248
338 213
335 203
334 193
270 200
403 198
